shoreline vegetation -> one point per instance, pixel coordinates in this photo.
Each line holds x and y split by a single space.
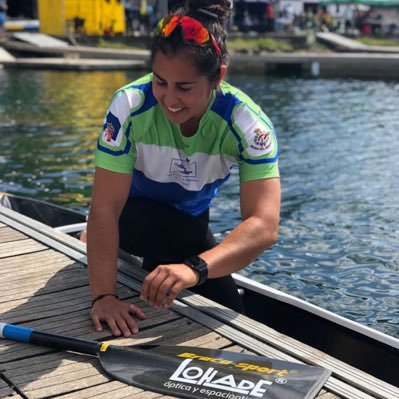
254 43
236 44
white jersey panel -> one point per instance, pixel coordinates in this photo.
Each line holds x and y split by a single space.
120 110
174 166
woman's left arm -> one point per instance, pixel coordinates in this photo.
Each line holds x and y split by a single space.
260 210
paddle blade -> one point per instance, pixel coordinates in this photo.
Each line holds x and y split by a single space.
190 372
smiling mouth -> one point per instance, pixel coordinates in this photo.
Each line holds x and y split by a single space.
174 110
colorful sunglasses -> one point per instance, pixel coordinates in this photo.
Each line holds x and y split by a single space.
192 31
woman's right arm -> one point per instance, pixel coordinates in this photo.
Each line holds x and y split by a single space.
110 192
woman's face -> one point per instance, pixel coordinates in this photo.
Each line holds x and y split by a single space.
181 91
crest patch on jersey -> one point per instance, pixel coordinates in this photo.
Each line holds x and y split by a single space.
111 130
262 141
258 136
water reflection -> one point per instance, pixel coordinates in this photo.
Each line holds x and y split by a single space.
339 235
49 124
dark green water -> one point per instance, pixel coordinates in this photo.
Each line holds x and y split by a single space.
339 139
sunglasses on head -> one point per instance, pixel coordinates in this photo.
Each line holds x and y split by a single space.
193 32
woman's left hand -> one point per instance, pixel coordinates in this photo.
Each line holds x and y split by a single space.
161 286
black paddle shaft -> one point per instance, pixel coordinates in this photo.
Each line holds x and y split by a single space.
28 335
65 343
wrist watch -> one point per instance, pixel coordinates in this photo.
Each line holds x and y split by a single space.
199 266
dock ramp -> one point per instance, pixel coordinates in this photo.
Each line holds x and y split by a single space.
345 44
39 39
340 42
5 56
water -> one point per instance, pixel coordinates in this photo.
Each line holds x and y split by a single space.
339 232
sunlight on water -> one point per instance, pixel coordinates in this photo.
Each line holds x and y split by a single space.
339 142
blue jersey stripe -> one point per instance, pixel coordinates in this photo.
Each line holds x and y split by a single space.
191 202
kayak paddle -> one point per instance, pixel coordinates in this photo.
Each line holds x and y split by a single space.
188 372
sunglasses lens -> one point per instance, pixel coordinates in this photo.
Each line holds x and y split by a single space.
194 31
167 25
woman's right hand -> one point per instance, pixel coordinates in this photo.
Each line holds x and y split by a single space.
117 314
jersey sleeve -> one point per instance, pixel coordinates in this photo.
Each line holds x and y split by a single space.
257 144
116 150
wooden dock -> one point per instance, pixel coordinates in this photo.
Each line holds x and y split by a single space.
44 285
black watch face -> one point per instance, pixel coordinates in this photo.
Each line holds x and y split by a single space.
200 266
196 261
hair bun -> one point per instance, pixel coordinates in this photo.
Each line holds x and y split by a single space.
220 10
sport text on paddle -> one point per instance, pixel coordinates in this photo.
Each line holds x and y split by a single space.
189 372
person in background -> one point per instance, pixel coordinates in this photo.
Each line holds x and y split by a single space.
169 140
145 17
269 17
132 16
3 16
128 7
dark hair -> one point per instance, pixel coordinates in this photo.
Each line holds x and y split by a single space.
214 16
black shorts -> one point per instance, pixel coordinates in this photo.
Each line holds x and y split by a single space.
162 234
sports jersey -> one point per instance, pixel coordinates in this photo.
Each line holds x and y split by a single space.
185 172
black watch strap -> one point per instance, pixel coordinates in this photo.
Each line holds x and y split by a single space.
198 265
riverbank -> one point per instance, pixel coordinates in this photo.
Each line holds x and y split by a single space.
324 55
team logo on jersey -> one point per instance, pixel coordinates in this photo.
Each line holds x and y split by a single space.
184 170
111 130
262 141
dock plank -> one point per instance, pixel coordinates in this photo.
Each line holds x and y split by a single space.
6 391
46 260
72 372
327 395
25 246
114 389
10 235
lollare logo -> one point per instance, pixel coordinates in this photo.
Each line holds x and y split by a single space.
199 379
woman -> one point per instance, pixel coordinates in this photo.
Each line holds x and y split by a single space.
170 139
